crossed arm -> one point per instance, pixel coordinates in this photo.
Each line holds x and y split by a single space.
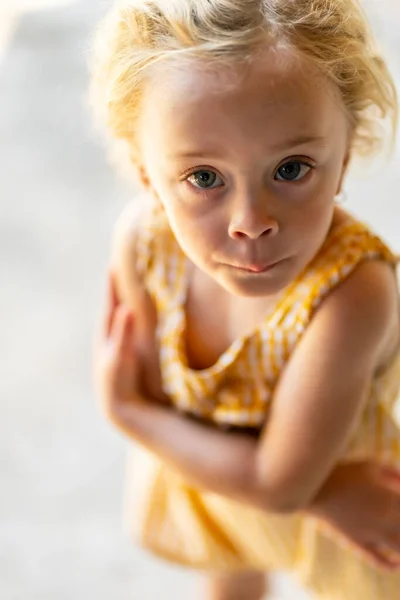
314 411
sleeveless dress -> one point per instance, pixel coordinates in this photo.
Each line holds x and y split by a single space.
199 529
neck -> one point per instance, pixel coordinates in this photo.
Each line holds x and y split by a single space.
240 314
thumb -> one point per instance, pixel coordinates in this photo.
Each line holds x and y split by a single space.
392 477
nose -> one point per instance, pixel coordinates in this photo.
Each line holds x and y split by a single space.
252 220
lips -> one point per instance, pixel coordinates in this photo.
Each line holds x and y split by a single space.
257 267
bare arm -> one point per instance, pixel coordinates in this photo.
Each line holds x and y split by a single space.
323 389
132 293
314 410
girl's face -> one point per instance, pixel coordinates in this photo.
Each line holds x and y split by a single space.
246 163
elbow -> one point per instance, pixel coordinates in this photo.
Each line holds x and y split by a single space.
283 498
284 504
281 501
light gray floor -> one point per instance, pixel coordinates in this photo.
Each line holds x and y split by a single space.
61 464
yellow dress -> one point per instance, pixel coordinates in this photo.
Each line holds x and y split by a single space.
174 520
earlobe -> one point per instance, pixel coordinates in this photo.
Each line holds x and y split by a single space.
144 178
146 182
345 166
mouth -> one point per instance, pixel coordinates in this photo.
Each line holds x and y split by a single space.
257 268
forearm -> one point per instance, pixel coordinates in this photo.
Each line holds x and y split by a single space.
217 461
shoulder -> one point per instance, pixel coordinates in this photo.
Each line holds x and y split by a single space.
130 235
128 226
354 293
128 230
362 312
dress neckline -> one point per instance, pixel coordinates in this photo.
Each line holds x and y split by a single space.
268 322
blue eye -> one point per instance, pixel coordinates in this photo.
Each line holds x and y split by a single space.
205 180
293 170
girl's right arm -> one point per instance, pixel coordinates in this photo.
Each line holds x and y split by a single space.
132 292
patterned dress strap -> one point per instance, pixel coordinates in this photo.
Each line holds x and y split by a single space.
160 260
346 247
149 223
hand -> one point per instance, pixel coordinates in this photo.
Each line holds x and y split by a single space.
116 368
361 501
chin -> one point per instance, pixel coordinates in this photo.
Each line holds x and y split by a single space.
253 284
253 287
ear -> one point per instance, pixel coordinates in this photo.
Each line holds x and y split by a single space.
143 177
145 180
343 173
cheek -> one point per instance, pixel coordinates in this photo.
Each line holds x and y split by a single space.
193 218
181 217
201 235
309 222
318 214
196 232
321 198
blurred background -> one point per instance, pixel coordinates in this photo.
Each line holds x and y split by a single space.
62 466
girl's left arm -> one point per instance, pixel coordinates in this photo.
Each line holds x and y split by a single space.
315 408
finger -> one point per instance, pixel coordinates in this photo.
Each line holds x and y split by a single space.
112 302
122 331
391 548
392 475
114 289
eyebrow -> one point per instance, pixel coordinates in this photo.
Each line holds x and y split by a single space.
300 141
290 143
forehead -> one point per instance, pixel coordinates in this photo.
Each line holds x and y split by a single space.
277 95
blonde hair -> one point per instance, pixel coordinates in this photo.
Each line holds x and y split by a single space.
333 34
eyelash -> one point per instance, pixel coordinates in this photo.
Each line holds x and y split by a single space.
295 160
185 176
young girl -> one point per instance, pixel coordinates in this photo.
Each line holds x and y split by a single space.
251 344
